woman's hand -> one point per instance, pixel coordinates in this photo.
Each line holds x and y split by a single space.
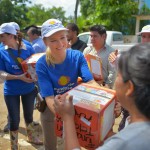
24 78
63 105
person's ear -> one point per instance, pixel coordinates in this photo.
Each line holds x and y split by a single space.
130 88
44 40
104 36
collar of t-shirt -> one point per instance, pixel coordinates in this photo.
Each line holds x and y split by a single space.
23 46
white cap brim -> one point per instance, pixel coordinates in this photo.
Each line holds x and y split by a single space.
54 31
143 32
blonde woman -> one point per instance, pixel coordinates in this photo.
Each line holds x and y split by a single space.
57 72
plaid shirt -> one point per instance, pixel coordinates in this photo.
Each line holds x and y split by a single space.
108 71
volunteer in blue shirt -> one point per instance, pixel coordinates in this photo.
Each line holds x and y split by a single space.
57 73
16 83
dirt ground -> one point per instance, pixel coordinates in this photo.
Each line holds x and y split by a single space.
4 138
23 145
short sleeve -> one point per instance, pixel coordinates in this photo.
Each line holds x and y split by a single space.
45 83
84 71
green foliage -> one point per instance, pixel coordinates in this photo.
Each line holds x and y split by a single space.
13 11
38 14
114 14
145 10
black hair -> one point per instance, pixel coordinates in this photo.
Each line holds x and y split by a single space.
98 28
134 65
73 27
34 30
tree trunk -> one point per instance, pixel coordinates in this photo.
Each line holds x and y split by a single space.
76 11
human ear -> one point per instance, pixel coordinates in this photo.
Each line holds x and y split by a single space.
104 36
44 40
130 88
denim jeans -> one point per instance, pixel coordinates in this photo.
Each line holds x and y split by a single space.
13 106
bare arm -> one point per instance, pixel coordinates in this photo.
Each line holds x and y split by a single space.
96 83
64 106
6 76
50 103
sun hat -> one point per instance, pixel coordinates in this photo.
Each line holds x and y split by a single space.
7 28
145 29
51 26
16 26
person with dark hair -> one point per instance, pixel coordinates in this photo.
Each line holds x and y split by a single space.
36 40
16 26
133 90
113 59
72 36
101 49
16 84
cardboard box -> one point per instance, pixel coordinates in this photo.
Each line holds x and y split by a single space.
95 66
94 114
28 65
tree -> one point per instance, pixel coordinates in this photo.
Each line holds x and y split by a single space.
76 11
13 11
114 14
37 14
145 10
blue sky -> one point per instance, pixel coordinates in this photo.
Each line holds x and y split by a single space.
148 3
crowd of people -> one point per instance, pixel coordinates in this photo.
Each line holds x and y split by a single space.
58 72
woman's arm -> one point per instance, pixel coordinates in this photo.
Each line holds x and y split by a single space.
50 103
6 76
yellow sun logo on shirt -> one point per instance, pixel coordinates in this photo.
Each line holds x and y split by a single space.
19 59
63 80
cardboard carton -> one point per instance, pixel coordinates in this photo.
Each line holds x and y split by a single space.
95 66
94 114
28 65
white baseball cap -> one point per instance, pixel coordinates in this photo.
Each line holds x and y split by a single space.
16 26
145 29
7 28
51 26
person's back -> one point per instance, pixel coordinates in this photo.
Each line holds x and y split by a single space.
74 41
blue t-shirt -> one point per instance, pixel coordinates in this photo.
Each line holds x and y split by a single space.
7 64
1 45
60 78
26 42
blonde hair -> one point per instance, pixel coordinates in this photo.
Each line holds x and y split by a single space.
49 57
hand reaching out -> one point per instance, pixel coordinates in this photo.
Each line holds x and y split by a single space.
63 105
